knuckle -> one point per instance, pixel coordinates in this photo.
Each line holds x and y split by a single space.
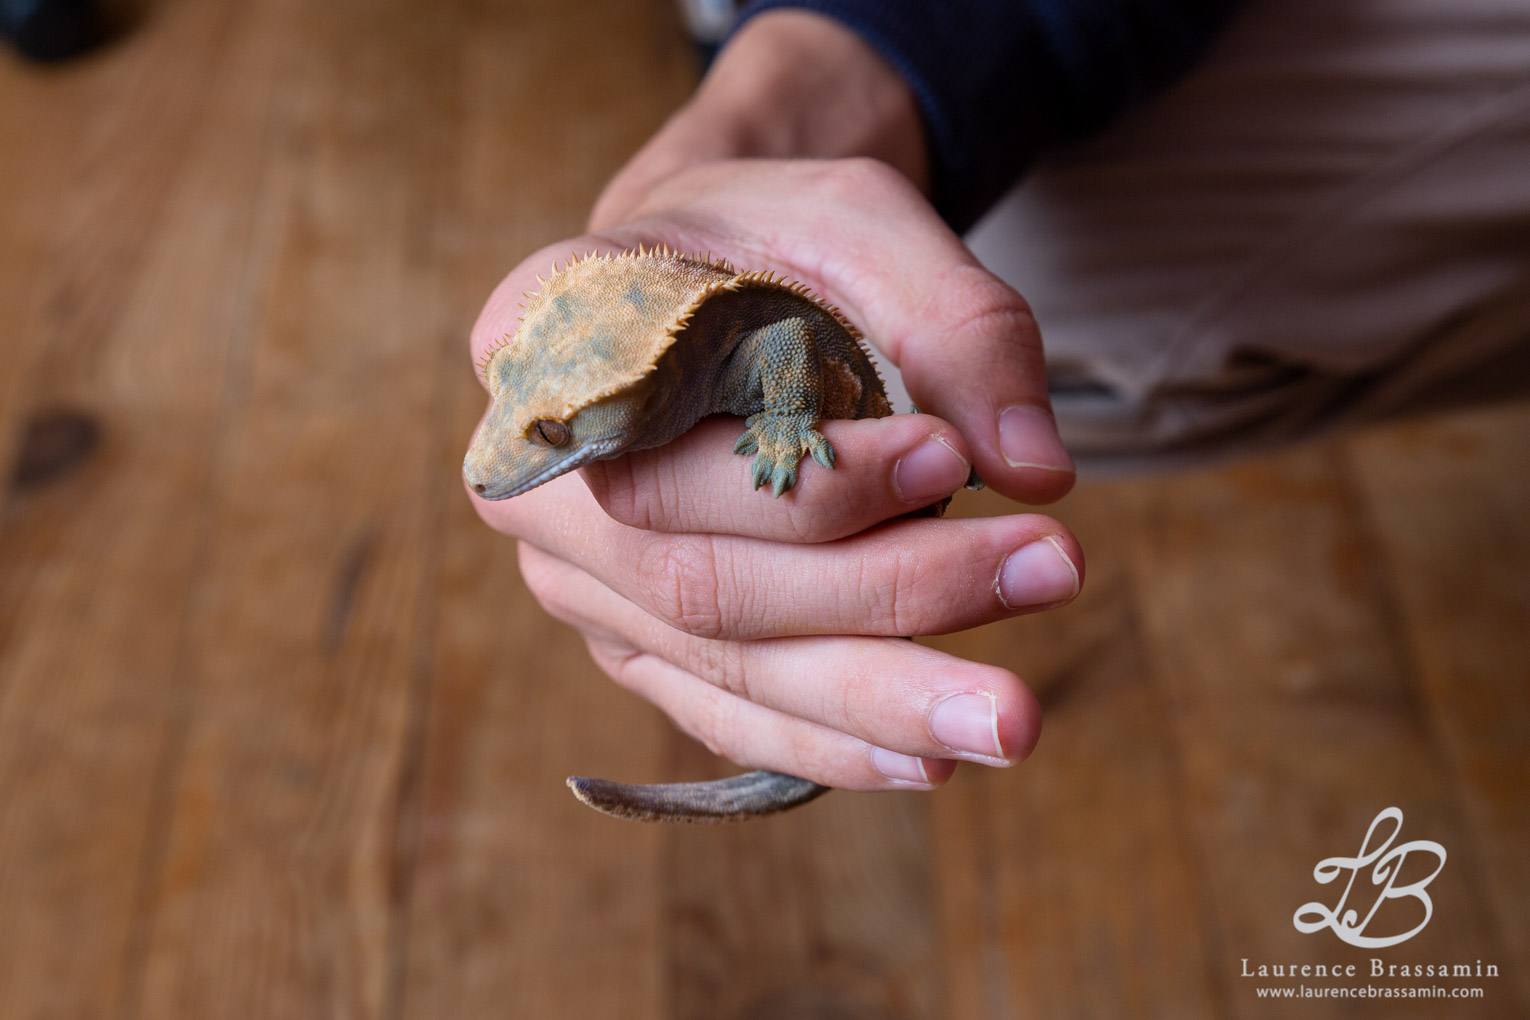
853 703
978 304
678 576
859 181
894 593
808 754
724 665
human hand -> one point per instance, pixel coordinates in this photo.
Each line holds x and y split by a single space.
765 627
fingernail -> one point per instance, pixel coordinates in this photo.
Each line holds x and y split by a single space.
902 768
1028 438
933 468
968 723
1039 574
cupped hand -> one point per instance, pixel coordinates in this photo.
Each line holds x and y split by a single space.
767 628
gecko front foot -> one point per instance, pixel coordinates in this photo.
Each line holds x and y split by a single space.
778 442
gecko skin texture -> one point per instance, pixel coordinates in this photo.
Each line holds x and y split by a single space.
627 352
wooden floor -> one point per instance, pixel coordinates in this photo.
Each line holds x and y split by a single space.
282 735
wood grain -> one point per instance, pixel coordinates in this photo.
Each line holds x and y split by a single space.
1040 919
283 734
1448 502
129 319
1301 720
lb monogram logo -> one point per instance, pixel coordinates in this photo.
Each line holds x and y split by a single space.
1347 923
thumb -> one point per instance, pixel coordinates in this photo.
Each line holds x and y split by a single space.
965 341
970 351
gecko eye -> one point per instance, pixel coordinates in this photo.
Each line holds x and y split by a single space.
548 432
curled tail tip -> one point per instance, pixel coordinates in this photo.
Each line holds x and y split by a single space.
598 794
633 803
726 800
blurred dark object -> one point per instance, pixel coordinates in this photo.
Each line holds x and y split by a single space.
52 30
53 444
708 22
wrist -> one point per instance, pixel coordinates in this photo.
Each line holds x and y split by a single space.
797 84
790 84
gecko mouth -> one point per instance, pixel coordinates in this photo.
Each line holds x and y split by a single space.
573 460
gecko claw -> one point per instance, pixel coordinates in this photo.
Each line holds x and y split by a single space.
761 470
822 452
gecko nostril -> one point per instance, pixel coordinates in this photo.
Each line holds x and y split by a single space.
480 488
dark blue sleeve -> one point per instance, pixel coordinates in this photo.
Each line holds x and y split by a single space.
999 82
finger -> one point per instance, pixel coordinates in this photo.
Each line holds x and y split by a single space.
966 342
730 726
761 738
900 578
882 468
890 693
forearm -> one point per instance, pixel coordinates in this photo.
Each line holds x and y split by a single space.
791 84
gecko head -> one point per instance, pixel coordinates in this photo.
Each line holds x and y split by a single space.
546 420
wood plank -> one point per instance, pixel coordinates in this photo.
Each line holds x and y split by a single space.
1449 499
1297 716
92 153
275 891
282 733
1067 886
827 912
521 894
140 291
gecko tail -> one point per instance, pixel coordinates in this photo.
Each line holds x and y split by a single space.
722 800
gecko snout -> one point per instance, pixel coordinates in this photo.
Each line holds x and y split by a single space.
473 478
484 482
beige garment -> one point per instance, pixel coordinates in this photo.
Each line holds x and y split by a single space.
1327 222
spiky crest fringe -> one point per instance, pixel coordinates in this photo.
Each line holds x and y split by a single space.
761 278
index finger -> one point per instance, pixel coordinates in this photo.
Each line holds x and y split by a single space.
883 468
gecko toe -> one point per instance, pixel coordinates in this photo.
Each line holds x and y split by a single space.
819 447
780 440
762 470
782 479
